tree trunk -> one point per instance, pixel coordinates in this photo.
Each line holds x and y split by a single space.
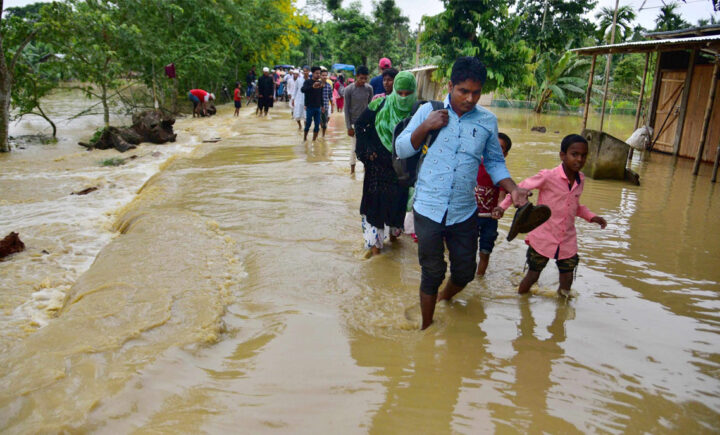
5 81
544 97
42 113
106 109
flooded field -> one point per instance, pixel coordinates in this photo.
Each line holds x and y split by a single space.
221 287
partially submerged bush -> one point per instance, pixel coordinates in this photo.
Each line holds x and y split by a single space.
112 161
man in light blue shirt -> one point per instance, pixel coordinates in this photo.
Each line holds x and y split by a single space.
445 206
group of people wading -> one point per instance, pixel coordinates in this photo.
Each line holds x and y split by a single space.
463 185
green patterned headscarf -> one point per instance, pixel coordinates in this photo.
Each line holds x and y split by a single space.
396 108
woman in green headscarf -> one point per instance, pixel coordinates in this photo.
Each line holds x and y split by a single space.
384 200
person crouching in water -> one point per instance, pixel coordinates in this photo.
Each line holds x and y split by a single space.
200 98
560 189
384 201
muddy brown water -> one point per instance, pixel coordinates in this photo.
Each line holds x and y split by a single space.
221 288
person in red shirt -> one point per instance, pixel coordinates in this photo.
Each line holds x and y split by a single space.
560 189
199 99
237 97
487 195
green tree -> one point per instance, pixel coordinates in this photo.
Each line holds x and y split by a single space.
627 75
36 75
560 77
707 21
481 28
669 19
15 34
391 37
624 26
350 32
550 25
92 36
31 11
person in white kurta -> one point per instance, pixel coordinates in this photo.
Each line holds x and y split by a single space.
290 82
298 100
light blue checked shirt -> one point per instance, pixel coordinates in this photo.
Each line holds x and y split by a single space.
447 178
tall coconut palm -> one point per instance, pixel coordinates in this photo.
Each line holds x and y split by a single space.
669 19
624 29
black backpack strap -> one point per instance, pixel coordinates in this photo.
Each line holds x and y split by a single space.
416 106
436 105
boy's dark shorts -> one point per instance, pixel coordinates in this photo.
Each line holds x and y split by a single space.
323 119
487 229
195 100
537 262
238 104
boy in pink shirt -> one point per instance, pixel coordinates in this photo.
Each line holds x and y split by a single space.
560 189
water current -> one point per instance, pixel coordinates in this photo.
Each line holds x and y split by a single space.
221 287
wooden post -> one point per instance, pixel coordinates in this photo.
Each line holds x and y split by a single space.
717 162
683 103
417 46
638 110
706 121
650 120
589 92
605 90
642 91
607 65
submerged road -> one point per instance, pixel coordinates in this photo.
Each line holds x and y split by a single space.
234 297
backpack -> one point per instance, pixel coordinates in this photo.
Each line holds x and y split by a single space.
408 169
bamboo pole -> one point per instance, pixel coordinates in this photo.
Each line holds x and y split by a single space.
683 104
638 110
706 121
605 90
589 92
642 91
717 162
607 65
657 78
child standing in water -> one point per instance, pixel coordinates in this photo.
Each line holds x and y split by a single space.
560 189
487 195
237 98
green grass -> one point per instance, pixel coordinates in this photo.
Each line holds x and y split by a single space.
112 161
96 136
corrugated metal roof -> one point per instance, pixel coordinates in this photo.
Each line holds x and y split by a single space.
711 29
711 42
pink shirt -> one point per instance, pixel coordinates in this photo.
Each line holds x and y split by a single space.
559 230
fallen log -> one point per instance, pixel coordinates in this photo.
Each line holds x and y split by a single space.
149 126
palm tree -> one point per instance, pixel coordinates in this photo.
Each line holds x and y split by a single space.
707 21
625 17
669 19
559 77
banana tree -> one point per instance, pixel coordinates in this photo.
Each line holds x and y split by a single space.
560 77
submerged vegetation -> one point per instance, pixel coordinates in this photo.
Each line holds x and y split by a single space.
113 161
113 45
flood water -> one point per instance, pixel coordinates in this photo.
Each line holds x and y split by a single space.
221 288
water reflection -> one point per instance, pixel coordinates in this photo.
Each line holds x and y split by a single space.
533 363
310 336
